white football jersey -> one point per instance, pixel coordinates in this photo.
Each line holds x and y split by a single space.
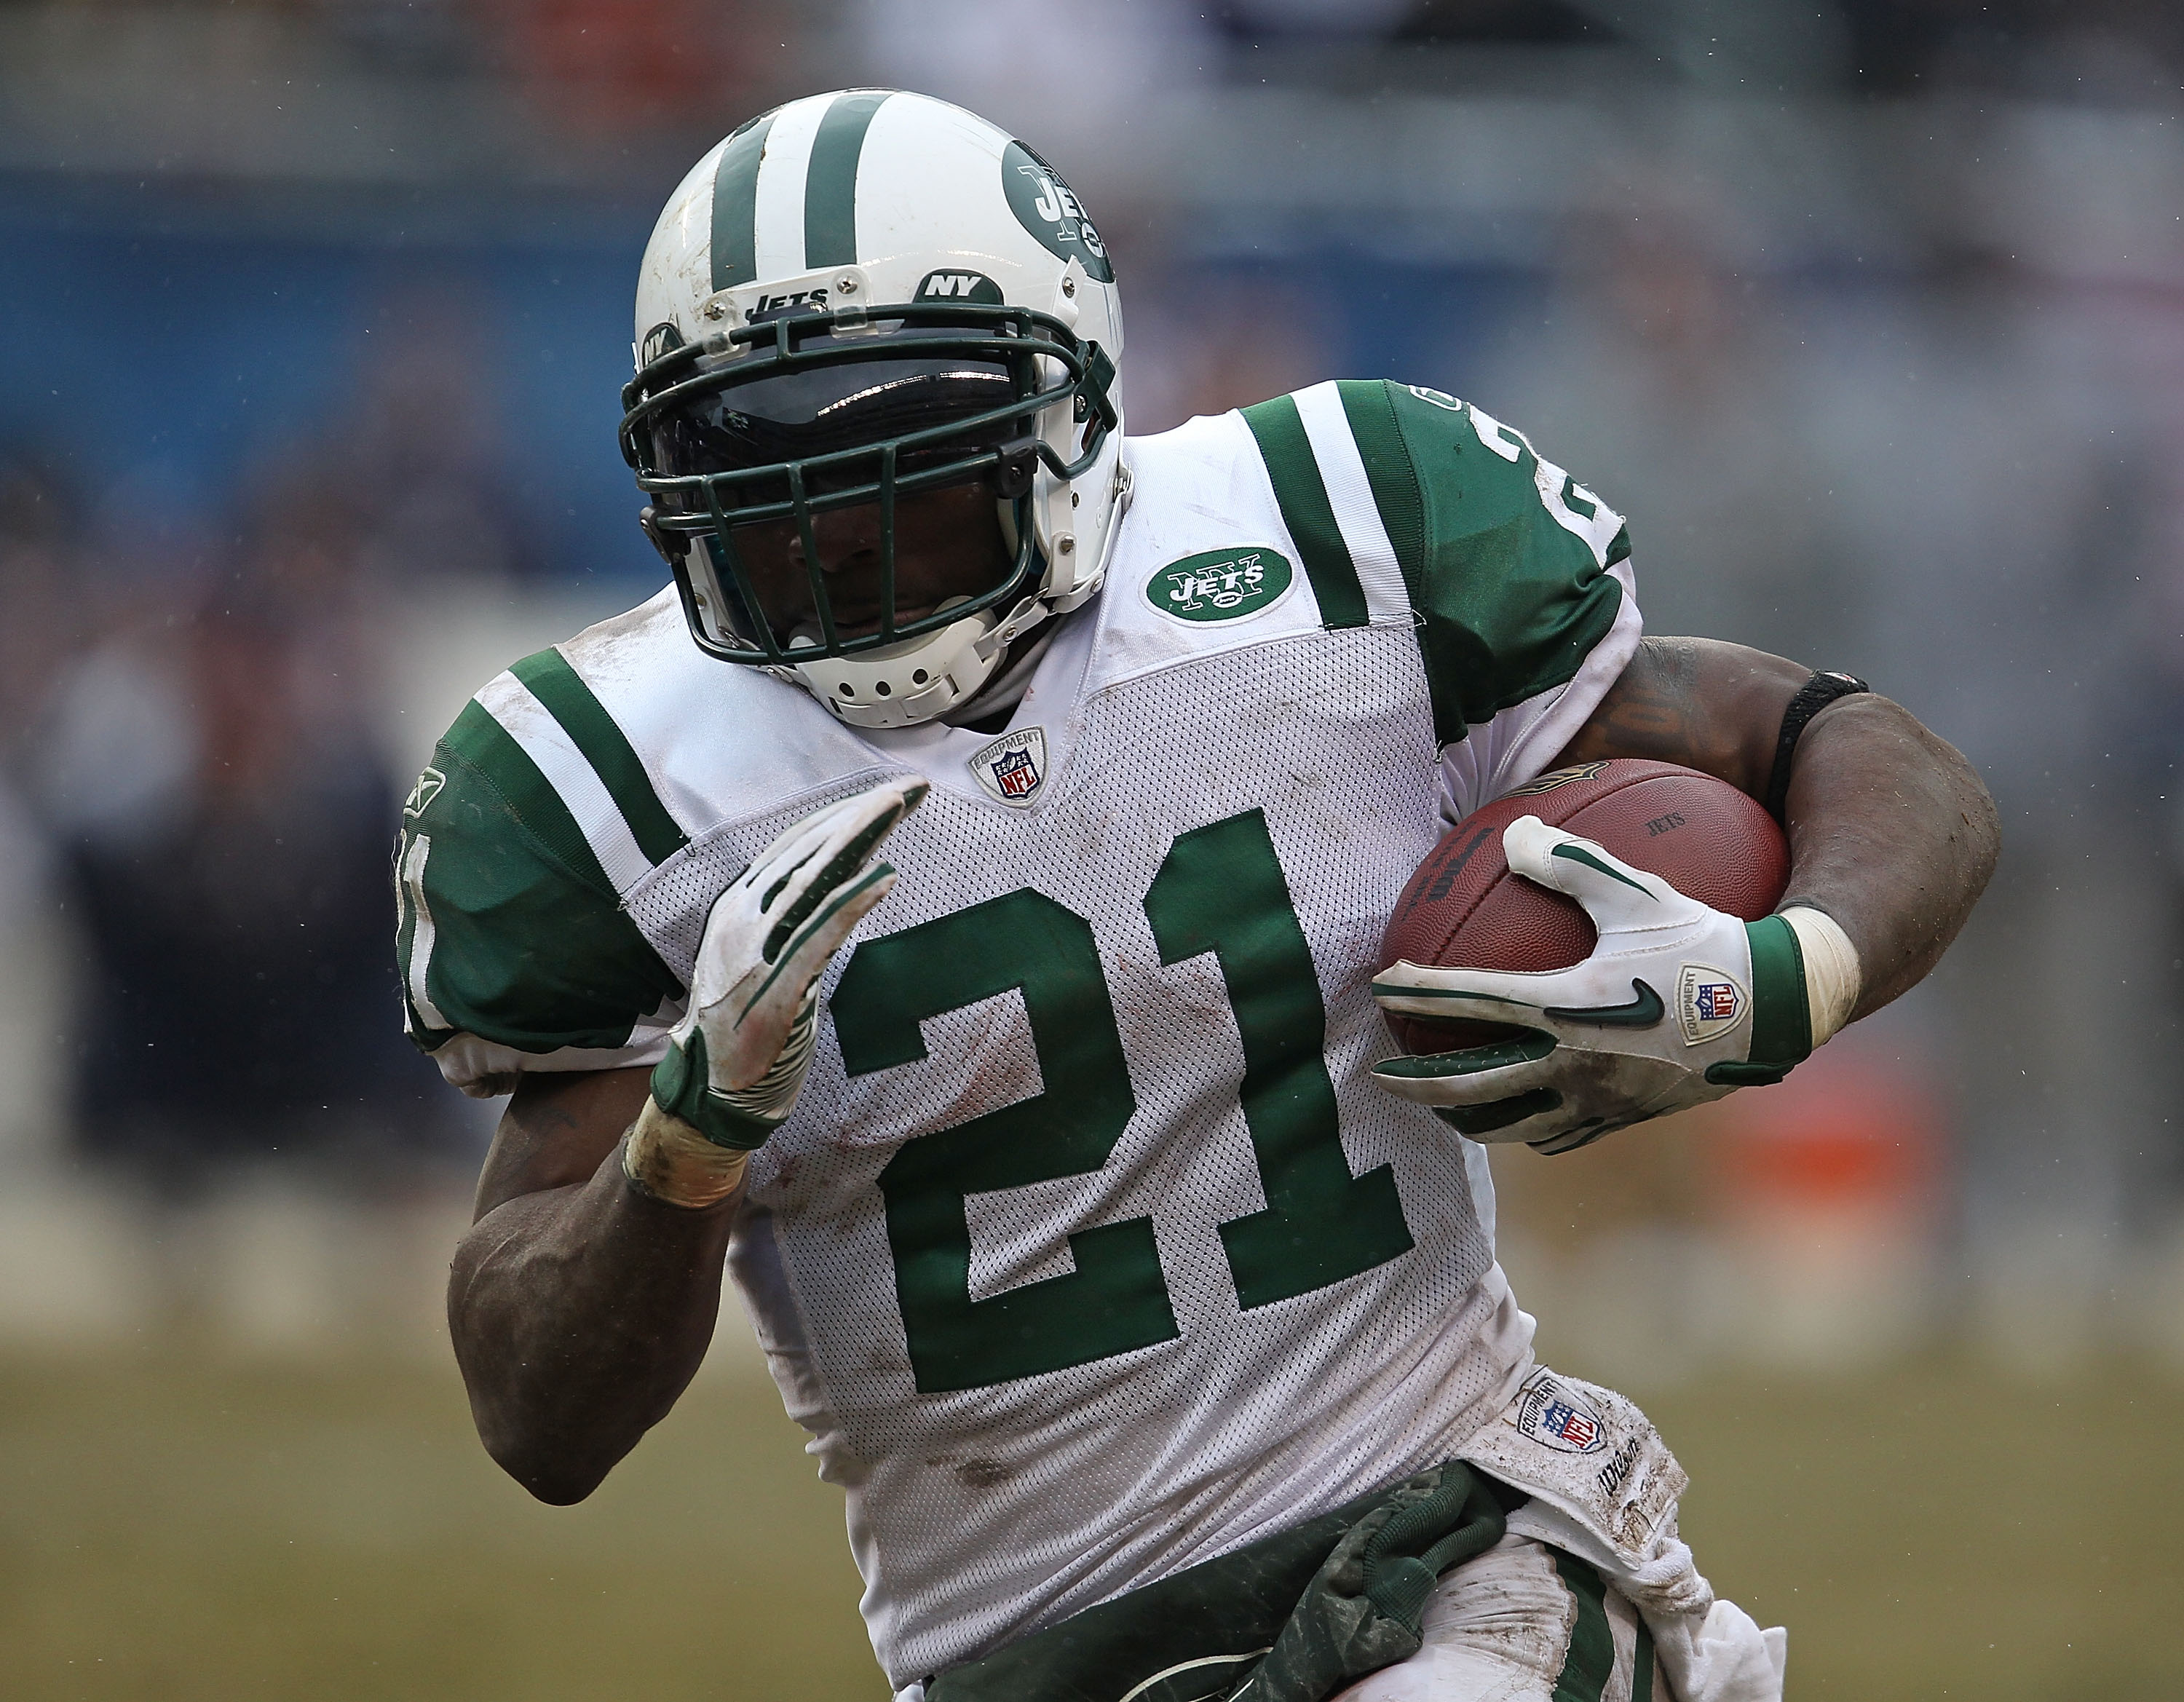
1089 1251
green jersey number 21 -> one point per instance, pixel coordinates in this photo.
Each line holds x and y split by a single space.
1220 889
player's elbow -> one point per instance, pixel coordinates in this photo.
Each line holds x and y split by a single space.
531 1436
1982 821
556 1474
1963 809
1940 792
555 1487
1980 833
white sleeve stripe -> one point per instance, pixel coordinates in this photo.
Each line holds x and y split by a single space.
484 1068
1350 494
531 725
424 937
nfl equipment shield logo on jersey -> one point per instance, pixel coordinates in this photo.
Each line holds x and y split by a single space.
1012 768
1549 1410
1709 1002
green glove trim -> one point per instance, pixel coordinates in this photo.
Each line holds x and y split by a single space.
1781 1019
1499 1113
679 1089
1746 1075
1584 1135
1525 1046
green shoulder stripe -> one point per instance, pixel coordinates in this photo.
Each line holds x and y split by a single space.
593 731
503 768
508 926
1388 468
1301 494
1497 554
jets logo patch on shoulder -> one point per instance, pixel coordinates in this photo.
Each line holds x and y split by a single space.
1709 1002
1012 768
427 789
1550 1412
1232 584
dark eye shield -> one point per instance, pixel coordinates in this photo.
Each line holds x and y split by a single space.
794 416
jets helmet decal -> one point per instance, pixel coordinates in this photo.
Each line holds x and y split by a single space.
855 300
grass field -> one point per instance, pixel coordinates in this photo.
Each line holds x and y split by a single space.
188 1526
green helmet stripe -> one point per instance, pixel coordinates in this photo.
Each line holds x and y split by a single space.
830 181
735 205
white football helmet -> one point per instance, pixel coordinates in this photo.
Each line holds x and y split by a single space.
855 297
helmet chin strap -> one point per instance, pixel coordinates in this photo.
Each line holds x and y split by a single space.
989 655
1008 686
1008 689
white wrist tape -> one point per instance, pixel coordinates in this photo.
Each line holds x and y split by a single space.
671 1160
1832 977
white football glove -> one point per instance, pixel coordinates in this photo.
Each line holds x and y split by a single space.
1679 1003
737 1060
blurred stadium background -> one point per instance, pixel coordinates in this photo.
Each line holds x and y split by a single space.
312 313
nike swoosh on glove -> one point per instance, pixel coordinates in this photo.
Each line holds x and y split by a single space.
737 1060
1677 1004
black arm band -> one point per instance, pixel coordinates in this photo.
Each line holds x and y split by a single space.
1813 695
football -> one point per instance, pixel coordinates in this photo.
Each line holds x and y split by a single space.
1463 909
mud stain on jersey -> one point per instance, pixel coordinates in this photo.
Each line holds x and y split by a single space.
977 1474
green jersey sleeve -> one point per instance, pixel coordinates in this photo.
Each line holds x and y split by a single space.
513 945
1408 503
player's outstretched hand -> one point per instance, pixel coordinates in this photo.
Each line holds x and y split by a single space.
1679 1003
737 1060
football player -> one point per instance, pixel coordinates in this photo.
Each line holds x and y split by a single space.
957 902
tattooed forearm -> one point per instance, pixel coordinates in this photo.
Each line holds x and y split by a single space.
1708 705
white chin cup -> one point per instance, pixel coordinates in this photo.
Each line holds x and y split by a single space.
922 678
905 683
